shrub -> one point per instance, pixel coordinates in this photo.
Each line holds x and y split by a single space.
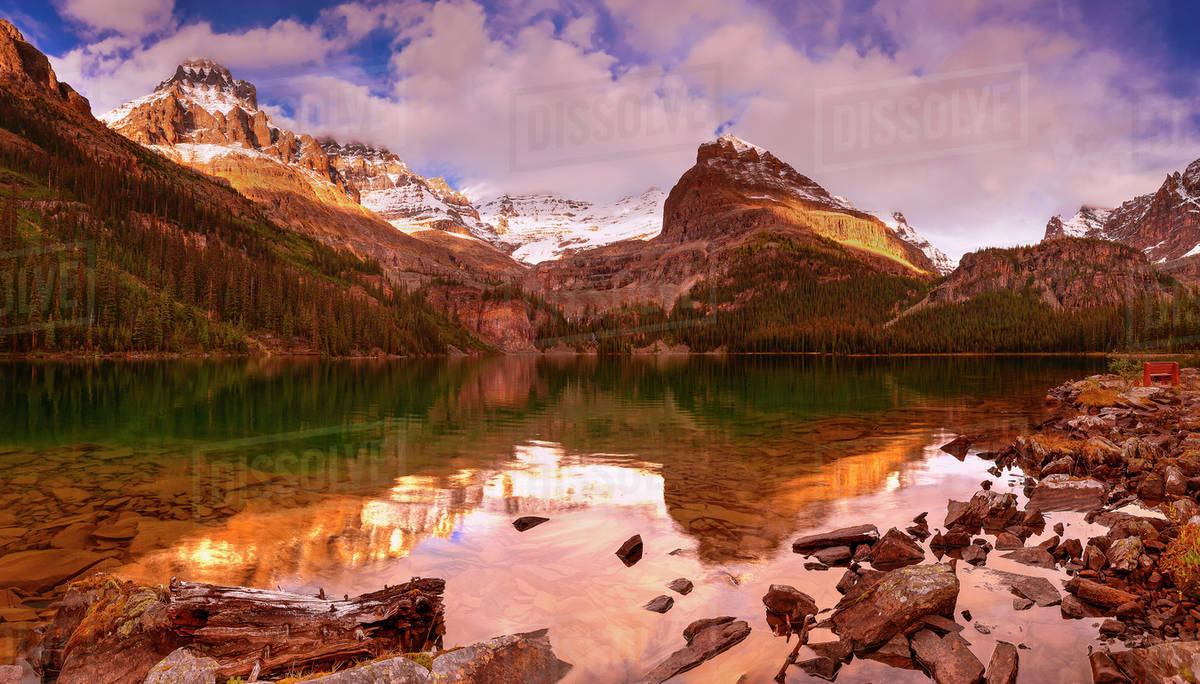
1125 367
1181 561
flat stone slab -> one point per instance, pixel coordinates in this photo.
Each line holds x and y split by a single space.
1037 589
1065 493
846 536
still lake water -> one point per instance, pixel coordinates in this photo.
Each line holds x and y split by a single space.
345 476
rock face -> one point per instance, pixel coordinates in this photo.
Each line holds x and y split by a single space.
871 613
1065 274
26 65
706 639
405 199
1165 224
735 185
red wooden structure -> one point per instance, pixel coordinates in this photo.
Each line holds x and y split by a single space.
1160 369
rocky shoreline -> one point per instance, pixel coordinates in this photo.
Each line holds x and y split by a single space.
1111 457
1126 457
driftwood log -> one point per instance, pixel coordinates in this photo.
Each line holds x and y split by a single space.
109 630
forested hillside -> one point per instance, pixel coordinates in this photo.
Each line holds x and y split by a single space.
108 247
781 296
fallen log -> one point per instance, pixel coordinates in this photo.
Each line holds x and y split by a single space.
244 630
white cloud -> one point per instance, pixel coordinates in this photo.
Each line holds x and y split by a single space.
127 17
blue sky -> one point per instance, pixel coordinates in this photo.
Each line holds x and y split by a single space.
1073 101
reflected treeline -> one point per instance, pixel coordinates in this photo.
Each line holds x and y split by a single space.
188 401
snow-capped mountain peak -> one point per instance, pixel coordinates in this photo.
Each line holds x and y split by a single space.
543 226
942 263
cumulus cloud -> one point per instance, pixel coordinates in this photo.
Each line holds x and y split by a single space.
128 17
601 99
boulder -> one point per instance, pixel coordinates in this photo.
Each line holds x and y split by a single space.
973 554
526 658
1104 670
183 666
993 508
631 551
895 550
705 639
1123 554
874 612
846 536
1065 493
789 602
1176 482
1059 466
947 659
1099 594
1002 668
1007 540
1169 662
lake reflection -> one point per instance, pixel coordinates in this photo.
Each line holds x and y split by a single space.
346 476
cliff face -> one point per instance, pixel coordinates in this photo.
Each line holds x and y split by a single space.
1065 273
23 64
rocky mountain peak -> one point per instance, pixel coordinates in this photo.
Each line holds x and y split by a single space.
22 63
207 75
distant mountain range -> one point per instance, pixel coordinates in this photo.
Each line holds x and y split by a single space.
744 253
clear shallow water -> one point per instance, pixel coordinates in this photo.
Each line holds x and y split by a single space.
346 476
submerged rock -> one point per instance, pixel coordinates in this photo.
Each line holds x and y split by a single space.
680 585
659 604
1002 668
528 522
957 447
874 612
947 659
706 639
